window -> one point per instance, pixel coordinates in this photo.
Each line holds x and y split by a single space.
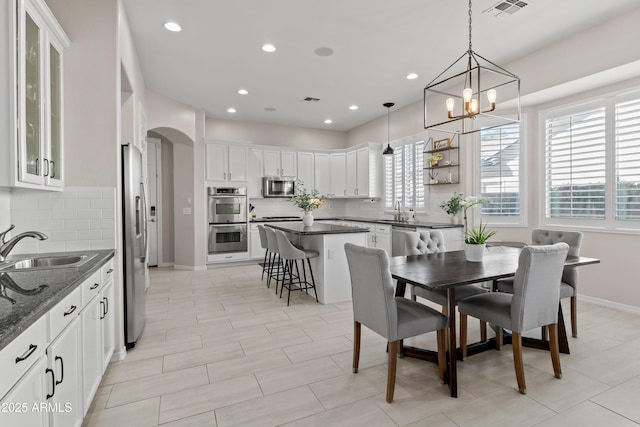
592 163
403 174
500 174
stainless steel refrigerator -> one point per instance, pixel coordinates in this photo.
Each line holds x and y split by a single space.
134 251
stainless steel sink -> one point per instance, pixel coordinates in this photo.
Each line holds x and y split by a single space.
47 262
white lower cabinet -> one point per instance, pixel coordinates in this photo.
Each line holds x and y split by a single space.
255 246
21 407
107 324
379 237
91 350
64 370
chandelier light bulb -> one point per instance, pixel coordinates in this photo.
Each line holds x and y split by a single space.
466 94
450 104
491 96
474 106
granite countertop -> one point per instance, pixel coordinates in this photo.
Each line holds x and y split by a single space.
35 292
317 229
421 224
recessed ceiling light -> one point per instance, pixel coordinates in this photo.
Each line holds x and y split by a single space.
243 91
172 26
269 48
328 121
353 107
324 51
270 109
231 110
412 76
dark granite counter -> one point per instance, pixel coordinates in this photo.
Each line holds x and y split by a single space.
273 219
27 295
421 224
317 228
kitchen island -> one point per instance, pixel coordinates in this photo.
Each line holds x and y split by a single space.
330 269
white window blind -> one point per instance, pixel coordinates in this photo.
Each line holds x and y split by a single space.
576 165
403 175
500 171
627 160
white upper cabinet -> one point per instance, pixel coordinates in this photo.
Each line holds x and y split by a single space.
305 170
363 173
352 173
225 162
338 174
279 163
35 120
322 172
255 173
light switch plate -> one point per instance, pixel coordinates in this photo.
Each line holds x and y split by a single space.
186 211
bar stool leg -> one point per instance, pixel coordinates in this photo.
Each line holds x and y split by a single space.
264 264
313 281
290 282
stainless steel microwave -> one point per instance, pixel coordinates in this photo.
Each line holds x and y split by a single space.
278 187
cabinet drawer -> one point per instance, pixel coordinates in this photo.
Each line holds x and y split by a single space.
64 312
91 287
383 229
17 357
107 271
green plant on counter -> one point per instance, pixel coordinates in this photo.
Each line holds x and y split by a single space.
307 201
453 205
479 235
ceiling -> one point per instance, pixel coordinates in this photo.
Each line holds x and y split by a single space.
375 44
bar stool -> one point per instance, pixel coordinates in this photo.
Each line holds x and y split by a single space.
276 261
290 254
264 244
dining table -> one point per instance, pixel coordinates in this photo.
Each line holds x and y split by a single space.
449 270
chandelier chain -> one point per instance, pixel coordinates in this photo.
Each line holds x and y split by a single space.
470 49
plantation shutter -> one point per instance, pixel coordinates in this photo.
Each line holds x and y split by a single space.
419 174
575 165
627 160
388 181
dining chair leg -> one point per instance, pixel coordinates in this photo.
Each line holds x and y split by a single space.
516 341
483 331
391 377
499 336
574 316
545 333
555 350
463 335
356 345
442 354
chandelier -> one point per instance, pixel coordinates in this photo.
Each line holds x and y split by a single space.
469 89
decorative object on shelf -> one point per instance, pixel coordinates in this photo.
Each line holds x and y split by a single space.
453 206
434 158
459 86
475 238
433 177
442 144
308 202
388 150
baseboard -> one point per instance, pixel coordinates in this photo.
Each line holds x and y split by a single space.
610 304
165 264
118 356
190 267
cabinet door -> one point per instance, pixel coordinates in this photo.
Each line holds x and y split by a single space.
271 163
237 170
305 170
108 324
352 174
255 174
322 173
18 405
53 167
288 164
32 122
256 248
91 350
338 176
371 240
383 241
64 359
216 162
362 172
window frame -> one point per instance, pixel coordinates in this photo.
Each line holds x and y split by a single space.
503 221
419 169
609 223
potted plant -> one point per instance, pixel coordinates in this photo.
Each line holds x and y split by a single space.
308 202
453 206
475 238
434 158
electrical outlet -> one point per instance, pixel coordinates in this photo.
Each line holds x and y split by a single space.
331 254
186 211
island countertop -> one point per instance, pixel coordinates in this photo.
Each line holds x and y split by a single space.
317 229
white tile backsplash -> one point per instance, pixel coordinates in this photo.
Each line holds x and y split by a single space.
75 219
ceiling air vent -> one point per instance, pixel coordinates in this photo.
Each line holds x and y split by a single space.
505 7
311 99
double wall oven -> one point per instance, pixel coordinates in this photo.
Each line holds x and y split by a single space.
227 220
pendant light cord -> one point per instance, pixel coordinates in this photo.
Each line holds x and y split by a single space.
470 49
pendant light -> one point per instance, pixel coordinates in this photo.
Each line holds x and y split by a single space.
388 150
469 88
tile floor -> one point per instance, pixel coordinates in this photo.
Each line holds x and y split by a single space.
220 349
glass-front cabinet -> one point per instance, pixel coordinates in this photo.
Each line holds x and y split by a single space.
39 133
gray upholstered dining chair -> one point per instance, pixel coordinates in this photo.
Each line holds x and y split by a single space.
569 285
427 242
376 307
534 302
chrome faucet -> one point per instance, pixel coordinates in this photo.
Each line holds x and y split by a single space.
6 247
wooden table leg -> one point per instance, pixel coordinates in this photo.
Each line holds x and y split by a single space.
453 346
400 288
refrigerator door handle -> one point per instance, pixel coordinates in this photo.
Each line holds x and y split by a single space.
137 215
144 242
